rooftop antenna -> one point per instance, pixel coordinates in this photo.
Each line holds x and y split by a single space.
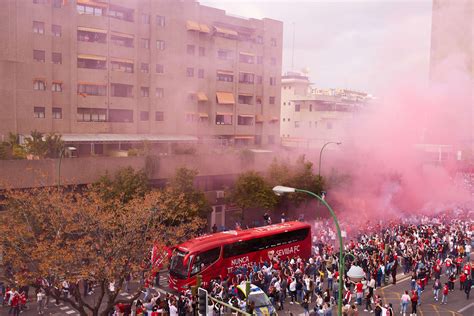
293 49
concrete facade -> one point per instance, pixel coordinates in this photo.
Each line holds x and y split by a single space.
138 67
311 117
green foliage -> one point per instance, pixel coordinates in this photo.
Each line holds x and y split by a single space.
179 149
35 145
251 191
183 183
125 185
247 157
11 148
54 145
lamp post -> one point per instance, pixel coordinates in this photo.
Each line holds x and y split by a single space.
321 154
279 190
61 154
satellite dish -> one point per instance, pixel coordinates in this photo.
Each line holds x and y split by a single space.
305 70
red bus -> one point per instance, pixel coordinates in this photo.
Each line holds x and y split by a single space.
220 254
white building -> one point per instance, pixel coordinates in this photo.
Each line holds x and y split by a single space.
311 117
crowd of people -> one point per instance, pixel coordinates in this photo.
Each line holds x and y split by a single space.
433 252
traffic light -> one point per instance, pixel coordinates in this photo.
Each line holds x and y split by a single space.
202 301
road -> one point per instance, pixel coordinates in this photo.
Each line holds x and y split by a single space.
457 303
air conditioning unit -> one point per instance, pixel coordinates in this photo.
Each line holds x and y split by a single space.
220 194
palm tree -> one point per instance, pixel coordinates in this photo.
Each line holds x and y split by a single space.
54 145
35 145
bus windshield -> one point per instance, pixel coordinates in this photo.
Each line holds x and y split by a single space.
177 267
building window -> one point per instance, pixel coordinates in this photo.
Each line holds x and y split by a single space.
120 116
224 54
273 61
122 66
57 58
144 115
190 72
121 90
259 39
160 44
297 107
91 115
160 69
159 93
57 113
272 81
85 89
245 120
273 42
258 100
245 99
246 77
202 51
271 100
126 41
160 20
39 84
227 76
56 30
190 49
259 79
190 117
89 10
297 124
145 18
159 116
38 27
145 92
145 68
57 4
271 139
39 112
57 87
200 73
329 125
284 119
121 13
39 1
246 58
311 108
91 36
39 55
145 43
259 60
89 63
315 124
223 119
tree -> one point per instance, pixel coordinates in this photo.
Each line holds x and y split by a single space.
251 191
35 145
60 235
125 185
11 148
54 145
183 183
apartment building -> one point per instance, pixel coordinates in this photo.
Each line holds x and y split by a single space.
138 67
311 117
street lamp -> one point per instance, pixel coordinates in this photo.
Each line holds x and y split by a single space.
279 190
321 154
61 154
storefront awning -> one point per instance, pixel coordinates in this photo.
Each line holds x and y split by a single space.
204 28
115 138
224 113
93 3
225 72
85 83
247 115
245 94
92 57
247 54
225 31
244 137
39 79
273 119
89 29
131 36
203 115
192 26
58 81
122 60
259 118
202 97
225 98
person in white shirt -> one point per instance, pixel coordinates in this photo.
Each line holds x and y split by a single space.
40 299
292 288
173 309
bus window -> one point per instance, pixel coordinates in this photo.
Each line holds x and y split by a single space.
205 259
177 267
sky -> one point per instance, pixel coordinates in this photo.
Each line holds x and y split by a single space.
353 44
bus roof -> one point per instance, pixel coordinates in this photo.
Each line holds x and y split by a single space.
209 241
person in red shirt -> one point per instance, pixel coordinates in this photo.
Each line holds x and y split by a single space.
462 281
359 292
15 304
445 294
414 302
